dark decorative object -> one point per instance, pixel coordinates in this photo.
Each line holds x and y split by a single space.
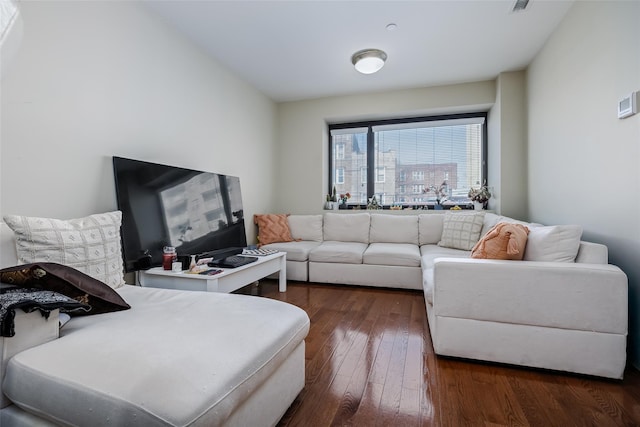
13 298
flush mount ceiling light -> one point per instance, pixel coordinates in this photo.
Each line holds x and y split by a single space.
368 61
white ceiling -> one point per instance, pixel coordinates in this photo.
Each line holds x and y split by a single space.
292 50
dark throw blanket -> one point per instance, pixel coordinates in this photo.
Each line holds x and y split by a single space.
12 298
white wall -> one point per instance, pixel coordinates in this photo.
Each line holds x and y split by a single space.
508 146
302 176
96 79
584 163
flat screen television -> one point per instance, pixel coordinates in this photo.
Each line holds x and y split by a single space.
198 213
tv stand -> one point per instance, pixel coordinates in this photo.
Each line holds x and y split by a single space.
229 280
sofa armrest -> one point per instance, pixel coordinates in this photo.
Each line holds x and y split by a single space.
592 253
589 297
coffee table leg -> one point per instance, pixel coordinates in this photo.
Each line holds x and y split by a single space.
283 274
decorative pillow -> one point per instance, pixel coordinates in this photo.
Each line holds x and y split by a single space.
91 244
556 243
503 241
66 281
461 230
272 228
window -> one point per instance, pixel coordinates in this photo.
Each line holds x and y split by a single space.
400 157
418 188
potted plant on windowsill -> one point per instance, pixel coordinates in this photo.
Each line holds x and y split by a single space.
343 200
332 200
480 197
441 194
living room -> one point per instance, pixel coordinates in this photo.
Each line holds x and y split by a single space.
92 80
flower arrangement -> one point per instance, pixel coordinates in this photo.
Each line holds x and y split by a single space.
480 195
373 203
344 197
441 191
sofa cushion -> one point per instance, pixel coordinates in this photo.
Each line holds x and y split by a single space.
428 255
120 366
90 244
393 229
404 254
340 252
430 252
68 281
430 228
306 227
503 241
296 251
272 228
461 230
346 227
557 243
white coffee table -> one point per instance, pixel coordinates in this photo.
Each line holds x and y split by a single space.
228 281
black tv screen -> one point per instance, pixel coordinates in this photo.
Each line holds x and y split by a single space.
195 212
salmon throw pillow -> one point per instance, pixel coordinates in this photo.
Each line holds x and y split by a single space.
502 241
272 228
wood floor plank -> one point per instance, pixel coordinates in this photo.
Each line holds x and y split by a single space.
370 362
330 359
392 391
354 397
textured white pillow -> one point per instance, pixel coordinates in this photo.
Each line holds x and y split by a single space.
555 243
306 227
91 244
346 227
389 228
461 230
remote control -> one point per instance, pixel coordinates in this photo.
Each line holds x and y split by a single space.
210 272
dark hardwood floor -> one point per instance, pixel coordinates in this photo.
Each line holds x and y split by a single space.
370 362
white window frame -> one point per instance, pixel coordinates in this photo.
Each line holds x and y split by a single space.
363 175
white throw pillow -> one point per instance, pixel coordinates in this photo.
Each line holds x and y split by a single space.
556 243
306 227
461 230
91 244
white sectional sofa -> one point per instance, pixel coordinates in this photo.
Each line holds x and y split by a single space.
563 307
